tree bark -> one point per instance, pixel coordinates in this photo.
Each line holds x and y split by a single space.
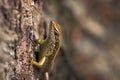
20 22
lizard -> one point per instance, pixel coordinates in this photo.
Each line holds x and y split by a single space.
48 49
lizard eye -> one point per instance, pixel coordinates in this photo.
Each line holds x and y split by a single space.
55 32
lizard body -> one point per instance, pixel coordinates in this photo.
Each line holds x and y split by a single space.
49 48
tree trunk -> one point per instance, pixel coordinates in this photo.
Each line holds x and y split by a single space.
20 22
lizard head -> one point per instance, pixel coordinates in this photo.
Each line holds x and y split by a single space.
56 30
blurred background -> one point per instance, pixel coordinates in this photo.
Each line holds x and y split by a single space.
91 41
91 38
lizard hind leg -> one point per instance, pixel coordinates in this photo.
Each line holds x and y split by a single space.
38 64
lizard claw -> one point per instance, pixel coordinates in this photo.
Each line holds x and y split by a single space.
31 61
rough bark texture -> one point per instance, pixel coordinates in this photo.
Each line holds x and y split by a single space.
19 24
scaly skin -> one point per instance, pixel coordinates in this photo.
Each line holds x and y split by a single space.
49 49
